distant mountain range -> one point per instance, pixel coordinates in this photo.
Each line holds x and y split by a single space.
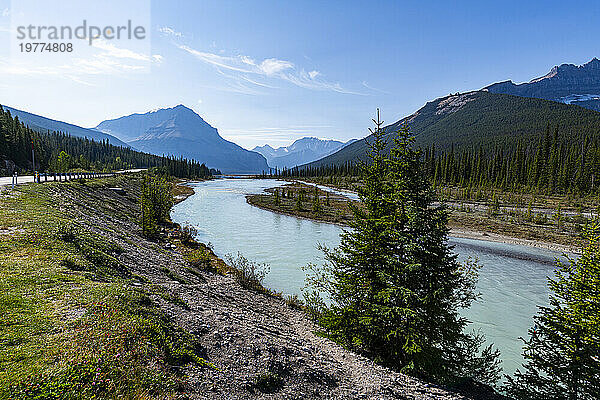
495 114
300 152
567 83
500 112
179 131
43 124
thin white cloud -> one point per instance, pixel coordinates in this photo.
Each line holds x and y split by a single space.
366 84
110 50
5 12
272 66
245 78
80 81
244 66
238 64
170 31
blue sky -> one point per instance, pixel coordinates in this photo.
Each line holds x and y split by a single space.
274 71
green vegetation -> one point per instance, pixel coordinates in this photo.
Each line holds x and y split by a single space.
567 161
268 382
563 351
482 119
173 275
68 314
394 286
59 152
248 273
156 200
296 199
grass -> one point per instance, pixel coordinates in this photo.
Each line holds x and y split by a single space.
70 324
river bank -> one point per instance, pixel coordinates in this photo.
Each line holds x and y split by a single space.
85 286
463 223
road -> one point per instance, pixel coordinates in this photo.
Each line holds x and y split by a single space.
7 180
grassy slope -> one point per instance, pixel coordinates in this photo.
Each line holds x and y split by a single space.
69 315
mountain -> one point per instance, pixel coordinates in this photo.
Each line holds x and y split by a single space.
567 83
480 118
42 124
179 131
300 152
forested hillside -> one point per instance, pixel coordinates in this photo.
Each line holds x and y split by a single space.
559 162
59 152
494 140
482 119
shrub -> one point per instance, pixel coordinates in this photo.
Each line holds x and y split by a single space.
199 259
156 200
172 275
268 382
293 301
248 273
188 234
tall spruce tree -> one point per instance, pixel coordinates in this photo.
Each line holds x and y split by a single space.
562 355
394 287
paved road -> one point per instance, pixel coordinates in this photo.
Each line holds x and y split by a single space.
7 180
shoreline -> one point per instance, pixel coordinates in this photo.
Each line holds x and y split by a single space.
454 231
497 238
289 214
227 336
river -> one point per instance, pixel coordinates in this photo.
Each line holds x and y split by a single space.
512 280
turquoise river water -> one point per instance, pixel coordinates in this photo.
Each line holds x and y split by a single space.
512 281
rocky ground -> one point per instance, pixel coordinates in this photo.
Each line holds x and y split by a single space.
260 346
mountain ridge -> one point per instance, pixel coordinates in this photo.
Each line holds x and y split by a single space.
547 97
43 124
478 118
301 151
565 83
179 131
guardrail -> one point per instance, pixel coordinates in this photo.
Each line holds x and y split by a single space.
59 177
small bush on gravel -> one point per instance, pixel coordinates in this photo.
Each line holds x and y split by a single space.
248 273
172 275
156 200
188 235
293 301
198 258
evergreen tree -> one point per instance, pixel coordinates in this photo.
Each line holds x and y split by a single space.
394 285
277 199
562 355
316 207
